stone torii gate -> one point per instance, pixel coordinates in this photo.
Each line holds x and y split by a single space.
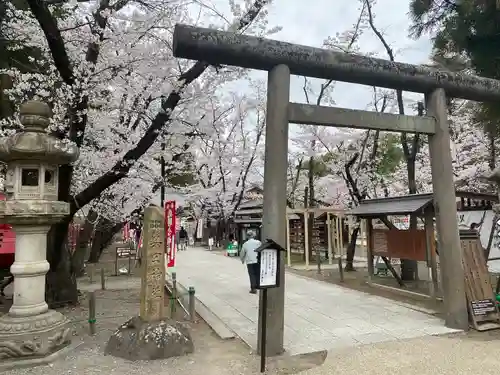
281 60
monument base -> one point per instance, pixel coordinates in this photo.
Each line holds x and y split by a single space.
139 340
34 340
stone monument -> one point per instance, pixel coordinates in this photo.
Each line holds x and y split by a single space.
30 333
150 335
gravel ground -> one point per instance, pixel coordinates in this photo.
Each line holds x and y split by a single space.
120 302
461 354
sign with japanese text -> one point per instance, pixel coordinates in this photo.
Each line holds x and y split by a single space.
170 231
268 268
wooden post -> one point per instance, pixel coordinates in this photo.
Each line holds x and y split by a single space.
92 319
341 236
431 254
306 236
335 236
288 248
103 279
429 237
329 234
369 248
450 252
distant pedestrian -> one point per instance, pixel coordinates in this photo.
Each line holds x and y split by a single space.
248 256
183 237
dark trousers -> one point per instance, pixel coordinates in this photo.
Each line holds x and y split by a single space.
253 273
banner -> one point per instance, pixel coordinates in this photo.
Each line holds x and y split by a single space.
126 232
199 229
170 233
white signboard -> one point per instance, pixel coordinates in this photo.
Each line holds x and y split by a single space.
268 267
199 229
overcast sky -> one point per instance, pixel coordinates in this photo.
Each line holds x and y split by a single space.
311 22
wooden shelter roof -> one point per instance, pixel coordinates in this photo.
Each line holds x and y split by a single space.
414 204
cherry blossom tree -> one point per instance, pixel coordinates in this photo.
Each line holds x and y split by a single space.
229 156
107 70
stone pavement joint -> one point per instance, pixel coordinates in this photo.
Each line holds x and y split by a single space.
217 325
318 315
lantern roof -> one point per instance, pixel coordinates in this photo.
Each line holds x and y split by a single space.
34 142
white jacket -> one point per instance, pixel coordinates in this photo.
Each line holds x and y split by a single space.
248 254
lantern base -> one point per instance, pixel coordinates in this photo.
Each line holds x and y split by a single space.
34 340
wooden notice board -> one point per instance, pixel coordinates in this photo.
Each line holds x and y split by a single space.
481 302
380 242
400 244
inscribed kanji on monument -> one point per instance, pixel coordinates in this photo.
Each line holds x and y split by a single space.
153 265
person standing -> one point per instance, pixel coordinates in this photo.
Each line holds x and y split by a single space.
182 239
248 256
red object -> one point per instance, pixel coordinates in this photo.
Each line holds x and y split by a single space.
73 233
139 244
126 232
7 244
170 233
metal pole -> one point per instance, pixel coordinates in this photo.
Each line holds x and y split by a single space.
103 280
173 297
92 320
192 307
273 220
450 252
263 317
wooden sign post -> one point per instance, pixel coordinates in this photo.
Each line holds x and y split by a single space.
483 312
268 258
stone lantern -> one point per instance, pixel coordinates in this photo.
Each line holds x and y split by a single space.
30 333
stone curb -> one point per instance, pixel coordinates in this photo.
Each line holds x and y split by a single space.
204 312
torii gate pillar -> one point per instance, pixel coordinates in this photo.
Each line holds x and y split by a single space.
274 208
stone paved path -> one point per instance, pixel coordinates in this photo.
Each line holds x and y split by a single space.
318 316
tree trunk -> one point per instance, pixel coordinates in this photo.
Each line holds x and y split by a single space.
61 288
351 250
103 236
82 244
409 268
492 154
95 249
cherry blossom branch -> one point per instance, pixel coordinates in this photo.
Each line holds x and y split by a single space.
121 168
410 153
